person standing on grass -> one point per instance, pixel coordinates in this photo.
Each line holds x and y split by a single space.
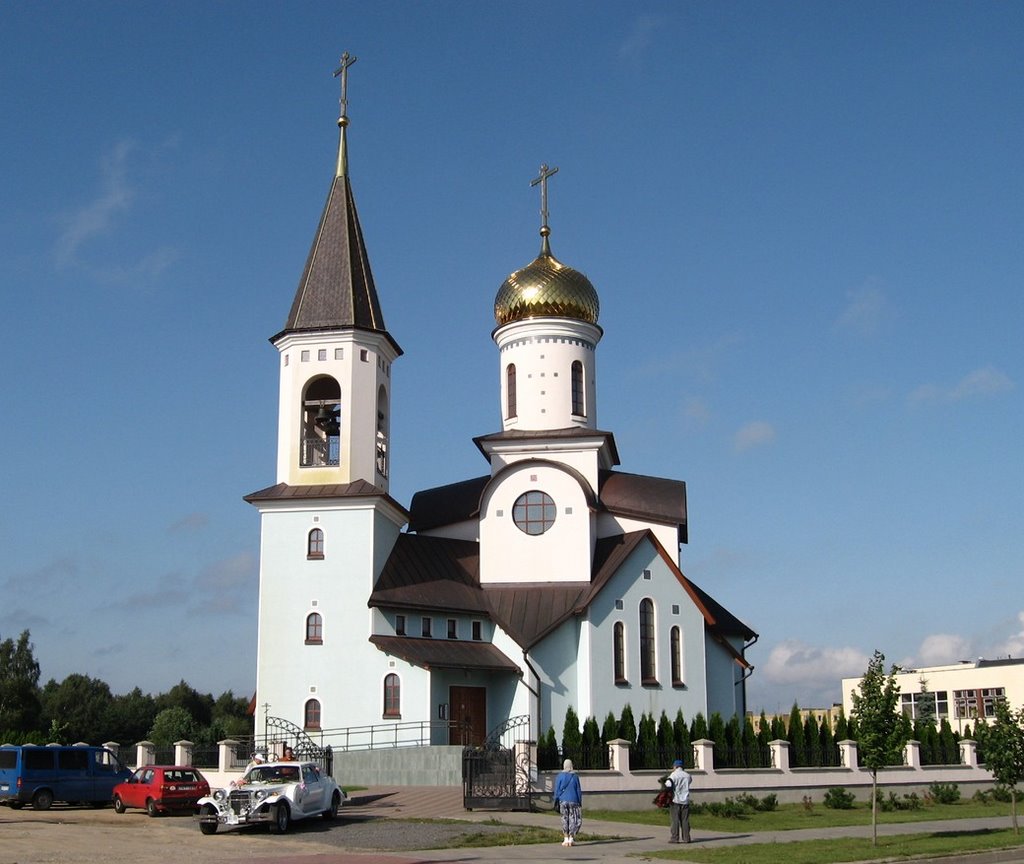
568 798
679 784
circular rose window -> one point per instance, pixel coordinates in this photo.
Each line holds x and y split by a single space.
534 512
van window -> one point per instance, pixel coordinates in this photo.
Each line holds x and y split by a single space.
73 760
37 759
8 759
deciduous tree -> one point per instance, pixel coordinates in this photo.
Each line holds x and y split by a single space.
19 685
1004 751
881 730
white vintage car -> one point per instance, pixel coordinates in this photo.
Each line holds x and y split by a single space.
274 793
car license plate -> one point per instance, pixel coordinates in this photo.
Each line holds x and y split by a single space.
5 788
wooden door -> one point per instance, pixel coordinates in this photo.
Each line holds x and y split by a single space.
468 713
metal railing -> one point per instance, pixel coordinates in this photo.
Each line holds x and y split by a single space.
385 735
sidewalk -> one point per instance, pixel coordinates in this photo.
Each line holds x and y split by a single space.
632 841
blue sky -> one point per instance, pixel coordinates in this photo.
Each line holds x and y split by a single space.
804 222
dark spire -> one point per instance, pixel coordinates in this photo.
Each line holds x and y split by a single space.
336 290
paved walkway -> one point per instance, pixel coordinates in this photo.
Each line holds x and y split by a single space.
631 842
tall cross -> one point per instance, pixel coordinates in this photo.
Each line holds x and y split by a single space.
545 172
342 70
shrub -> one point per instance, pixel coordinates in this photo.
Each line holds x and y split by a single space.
944 793
728 809
751 802
891 803
838 798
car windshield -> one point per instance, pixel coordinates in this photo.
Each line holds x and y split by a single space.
273 774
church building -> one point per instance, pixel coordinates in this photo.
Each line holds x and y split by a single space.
550 580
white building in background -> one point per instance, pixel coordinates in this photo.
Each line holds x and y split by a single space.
550 580
962 692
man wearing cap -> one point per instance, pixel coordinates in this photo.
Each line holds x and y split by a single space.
679 783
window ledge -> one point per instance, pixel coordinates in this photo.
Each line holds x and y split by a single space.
650 682
314 641
313 556
621 682
387 716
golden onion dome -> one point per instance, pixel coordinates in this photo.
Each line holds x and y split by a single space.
546 288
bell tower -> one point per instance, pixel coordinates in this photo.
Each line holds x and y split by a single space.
335 353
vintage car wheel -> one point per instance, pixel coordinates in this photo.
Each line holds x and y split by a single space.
151 808
332 811
282 819
119 804
208 827
42 800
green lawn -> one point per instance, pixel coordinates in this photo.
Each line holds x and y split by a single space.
793 816
848 849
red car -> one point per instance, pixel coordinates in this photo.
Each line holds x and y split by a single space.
161 788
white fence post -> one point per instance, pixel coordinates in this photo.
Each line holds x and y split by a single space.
183 752
704 755
618 755
780 754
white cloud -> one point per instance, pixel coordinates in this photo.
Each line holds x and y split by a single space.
97 216
805 674
640 37
1013 646
103 215
226 586
985 381
696 409
942 648
866 308
754 434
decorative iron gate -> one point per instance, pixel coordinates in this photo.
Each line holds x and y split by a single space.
500 774
279 732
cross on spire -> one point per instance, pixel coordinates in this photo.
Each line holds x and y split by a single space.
342 70
542 179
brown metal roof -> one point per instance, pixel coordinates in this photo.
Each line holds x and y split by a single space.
446 505
336 290
441 574
446 653
355 489
431 573
530 435
644 497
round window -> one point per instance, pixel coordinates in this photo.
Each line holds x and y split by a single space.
534 512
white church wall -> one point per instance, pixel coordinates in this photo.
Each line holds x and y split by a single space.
337 672
723 677
561 554
609 525
543 351
556 662
629 586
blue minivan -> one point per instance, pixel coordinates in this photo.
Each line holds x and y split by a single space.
41 775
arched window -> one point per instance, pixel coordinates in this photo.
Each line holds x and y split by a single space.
315 544
382 431
648 670
578 408
312 714
392 695
619 652
314 629
510 391
677 657
321 424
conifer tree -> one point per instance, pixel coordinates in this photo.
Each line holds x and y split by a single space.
699 729
594 755
572 740
764 732
627 725
751 753
812 741
647 742
827 740
795 736
778 729
547 750
681 740
666 748
610 729
842 732
949 748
